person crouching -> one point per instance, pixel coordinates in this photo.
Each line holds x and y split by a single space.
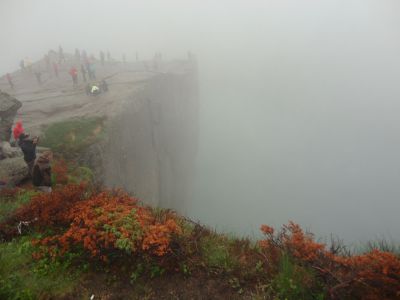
41 174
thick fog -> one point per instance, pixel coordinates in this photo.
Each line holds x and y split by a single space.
299 100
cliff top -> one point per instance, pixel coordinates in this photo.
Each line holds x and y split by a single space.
55 99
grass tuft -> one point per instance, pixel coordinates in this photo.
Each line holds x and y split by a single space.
69 138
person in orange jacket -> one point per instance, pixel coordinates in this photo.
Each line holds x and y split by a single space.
74 74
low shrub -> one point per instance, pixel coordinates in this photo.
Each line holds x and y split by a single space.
373 275
101 223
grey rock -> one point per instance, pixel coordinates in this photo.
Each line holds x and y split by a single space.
9 152
8 109
13 170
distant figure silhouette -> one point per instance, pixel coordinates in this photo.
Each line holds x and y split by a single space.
83 71
102 58
77 55
74 74
9 79
47 61
38 75
61 57
55 68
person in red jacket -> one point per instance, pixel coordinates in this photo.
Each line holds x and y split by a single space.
74 74
18 129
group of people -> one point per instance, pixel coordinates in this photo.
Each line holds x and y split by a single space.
39 167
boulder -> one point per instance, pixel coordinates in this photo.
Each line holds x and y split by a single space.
13 170
6 151
8 109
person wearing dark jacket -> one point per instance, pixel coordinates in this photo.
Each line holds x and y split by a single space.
28 147
41 174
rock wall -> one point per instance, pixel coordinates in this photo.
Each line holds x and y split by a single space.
152 145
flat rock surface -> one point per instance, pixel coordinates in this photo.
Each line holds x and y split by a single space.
56 99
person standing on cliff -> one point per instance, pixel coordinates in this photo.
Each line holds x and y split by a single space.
55 68
38 75
9 79
102 58
22 65
47 61
91 71
74 74
61 57
83 71
77 55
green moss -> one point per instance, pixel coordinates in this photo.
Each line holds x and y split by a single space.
22 277
70 137
9 204
295 282
215 251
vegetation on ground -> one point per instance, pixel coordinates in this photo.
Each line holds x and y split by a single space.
69 243
77 225
69 138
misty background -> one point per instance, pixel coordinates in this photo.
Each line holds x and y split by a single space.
299 100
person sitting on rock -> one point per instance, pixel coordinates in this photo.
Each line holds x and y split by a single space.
28 147
41 174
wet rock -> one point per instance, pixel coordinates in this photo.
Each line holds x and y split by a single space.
6 151
13 170
8 109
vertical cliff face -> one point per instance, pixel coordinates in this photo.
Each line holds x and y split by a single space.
153 142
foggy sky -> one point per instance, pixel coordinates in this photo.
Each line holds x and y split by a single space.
299 99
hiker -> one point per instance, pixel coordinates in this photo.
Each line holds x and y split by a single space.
28 147
38 75
55 68
61 56
22 65
74 74
91 71
17 131
41 173
9 79
84 57
108 56
83 71
47 60
77 55
102 58
104 85
28 64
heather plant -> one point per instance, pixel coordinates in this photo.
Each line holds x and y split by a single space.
98 222
372 275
